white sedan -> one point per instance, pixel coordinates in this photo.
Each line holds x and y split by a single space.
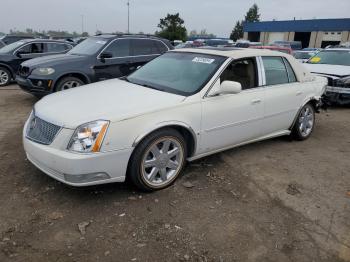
180 107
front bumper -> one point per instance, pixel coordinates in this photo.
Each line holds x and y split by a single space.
337 95
36 86
78 169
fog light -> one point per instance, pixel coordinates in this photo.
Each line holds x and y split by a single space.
86 178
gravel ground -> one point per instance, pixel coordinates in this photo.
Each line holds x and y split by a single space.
277 200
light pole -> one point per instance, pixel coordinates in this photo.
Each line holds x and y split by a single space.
128 16
82 24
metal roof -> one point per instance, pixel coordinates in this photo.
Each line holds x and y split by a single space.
341 24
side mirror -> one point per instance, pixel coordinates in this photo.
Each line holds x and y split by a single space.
105 55
227 87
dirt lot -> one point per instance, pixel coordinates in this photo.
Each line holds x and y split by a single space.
277 200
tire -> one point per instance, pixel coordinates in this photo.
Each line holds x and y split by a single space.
305 123
5 76
150 168
68 83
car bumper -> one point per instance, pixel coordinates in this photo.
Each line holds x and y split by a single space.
37 86
337 95
78 169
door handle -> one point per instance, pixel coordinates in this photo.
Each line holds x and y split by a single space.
256 101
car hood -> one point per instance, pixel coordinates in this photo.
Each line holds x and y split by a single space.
331 70
112 100
53 60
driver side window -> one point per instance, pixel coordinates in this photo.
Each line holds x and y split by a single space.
34 48
242 71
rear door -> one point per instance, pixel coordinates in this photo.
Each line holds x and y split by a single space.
116 66
145 50
283 94
57 48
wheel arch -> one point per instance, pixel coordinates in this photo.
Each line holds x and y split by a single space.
314 101
83 77
185 130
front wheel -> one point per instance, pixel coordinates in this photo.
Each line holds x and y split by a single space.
158 160
304 125
68 83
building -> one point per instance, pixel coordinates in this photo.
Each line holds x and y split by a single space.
311 33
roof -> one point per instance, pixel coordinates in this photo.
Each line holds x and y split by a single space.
341 24
110 36
234 53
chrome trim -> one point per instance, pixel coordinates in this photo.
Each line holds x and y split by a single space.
136 38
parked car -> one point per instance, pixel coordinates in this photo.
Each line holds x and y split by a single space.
333 63
303 56
247 44
12 55
295 45
183 105
218 42
97 58
282 49
9 39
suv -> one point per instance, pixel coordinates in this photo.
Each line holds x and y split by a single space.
9 39
98 58
12 55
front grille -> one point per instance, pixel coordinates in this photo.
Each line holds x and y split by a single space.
24 71
41 131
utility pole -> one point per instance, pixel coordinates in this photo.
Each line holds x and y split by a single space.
82 24
128 16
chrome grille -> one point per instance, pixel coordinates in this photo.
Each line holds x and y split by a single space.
41 131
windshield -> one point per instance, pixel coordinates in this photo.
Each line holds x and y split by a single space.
303 55
177 72
88 47
332 57
11 47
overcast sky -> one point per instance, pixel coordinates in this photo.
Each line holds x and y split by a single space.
216 17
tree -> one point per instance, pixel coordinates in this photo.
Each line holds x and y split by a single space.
251 16
172 28
237 32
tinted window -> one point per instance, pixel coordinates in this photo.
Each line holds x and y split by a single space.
57 47
275 71
89 47
291 74
34 48
144 47
241 71
161 47
119 48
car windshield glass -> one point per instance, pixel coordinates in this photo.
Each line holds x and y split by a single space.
177 72
332 57
11 47
88 47
303 55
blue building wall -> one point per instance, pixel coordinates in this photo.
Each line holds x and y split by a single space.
342 24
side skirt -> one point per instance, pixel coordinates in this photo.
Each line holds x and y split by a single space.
273 135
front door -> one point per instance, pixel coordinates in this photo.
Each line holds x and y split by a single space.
228 120
28 51
118 64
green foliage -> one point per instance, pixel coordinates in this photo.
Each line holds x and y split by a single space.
202 33
172 27
251 16
237 32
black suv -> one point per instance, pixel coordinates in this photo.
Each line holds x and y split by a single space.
97 58
12 55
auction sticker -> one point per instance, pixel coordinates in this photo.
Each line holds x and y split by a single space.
315 60
203 60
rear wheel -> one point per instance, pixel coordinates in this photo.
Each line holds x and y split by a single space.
158 160
68 83
304 125
5 76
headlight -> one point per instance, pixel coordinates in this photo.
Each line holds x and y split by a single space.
343 82
43 71
88 137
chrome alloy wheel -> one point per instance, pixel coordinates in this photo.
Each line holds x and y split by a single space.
306 121
70 84
162 161
4 77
